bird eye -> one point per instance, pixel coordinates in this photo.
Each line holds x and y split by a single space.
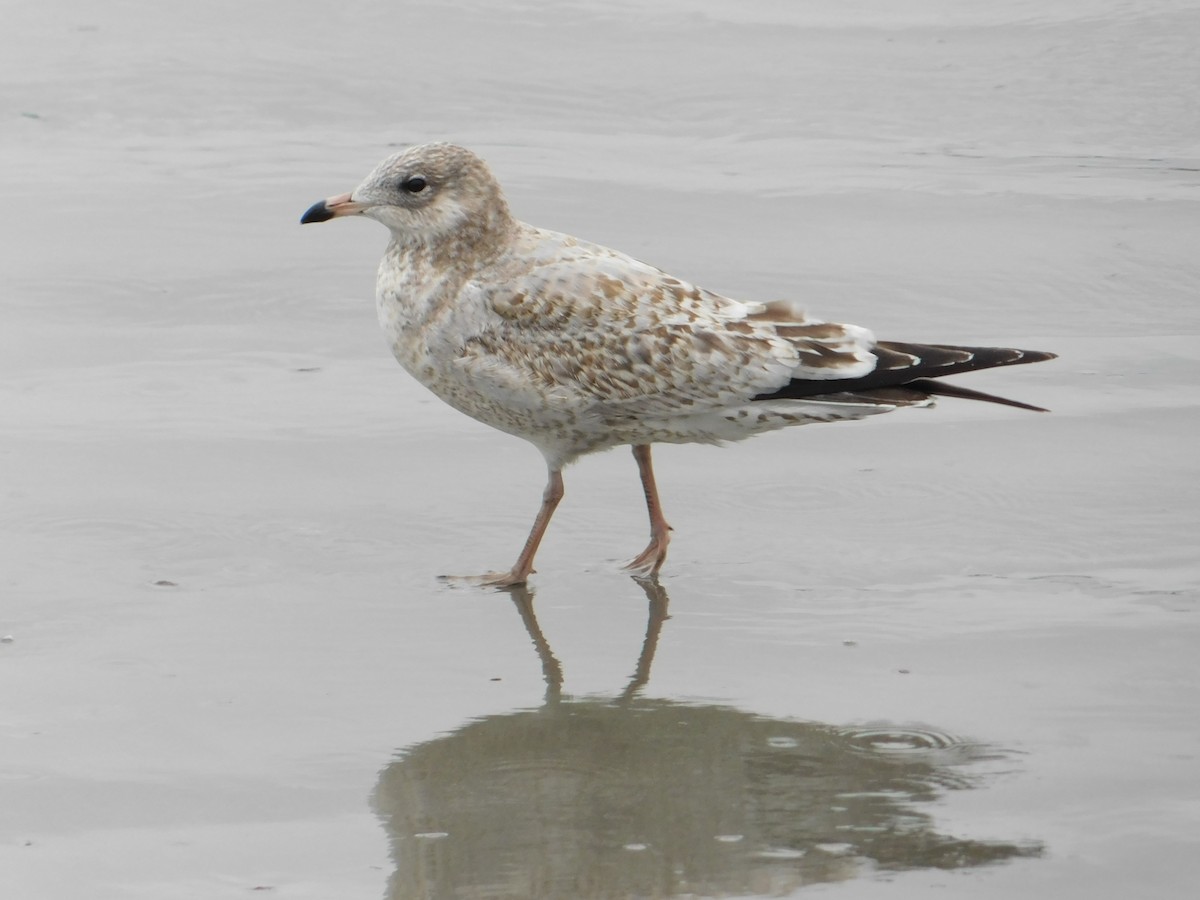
414 185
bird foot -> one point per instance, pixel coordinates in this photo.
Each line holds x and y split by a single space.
511 578
650 560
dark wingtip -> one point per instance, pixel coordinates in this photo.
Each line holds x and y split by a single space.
318 212
1037 356
942 389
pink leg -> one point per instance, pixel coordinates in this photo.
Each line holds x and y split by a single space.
650 560
524 564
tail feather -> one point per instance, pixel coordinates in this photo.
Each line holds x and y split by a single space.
915 367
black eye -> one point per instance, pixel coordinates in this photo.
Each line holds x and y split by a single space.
414 185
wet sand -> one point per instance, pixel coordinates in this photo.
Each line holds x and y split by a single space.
949 648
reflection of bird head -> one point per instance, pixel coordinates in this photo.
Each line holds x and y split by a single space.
635 797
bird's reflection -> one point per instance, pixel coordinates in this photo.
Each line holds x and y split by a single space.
627 796
552 670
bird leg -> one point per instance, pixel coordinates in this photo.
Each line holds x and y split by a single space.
650 560
524 564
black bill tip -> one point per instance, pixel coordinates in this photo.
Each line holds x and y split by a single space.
318 212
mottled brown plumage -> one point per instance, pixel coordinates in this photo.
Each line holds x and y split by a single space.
577 348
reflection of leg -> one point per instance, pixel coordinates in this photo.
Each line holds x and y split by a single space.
657 595
522 598
524 565
650 560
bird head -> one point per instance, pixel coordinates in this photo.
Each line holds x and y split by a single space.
423 194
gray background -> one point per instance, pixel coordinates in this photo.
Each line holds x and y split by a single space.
193 391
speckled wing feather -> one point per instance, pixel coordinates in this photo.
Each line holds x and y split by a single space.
594 327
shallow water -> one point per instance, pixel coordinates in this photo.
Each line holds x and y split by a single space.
951 648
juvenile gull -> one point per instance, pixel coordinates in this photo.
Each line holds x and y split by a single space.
577 348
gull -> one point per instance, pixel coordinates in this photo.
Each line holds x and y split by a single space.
578 348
